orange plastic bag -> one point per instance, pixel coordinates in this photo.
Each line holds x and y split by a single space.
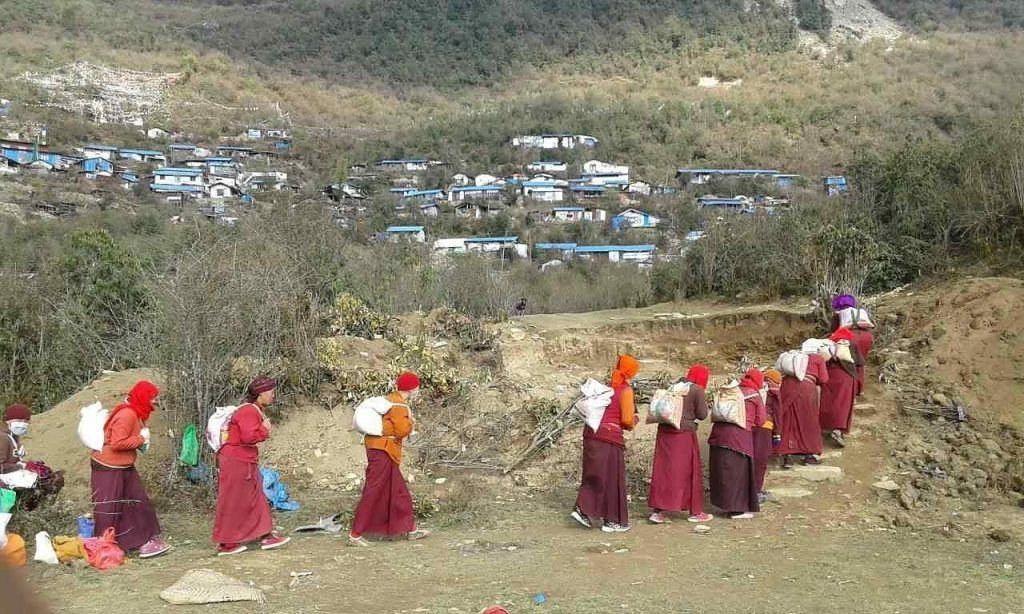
103 552
14 553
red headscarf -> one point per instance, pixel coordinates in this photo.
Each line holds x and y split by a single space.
625 369
842 334
752 379
698 374
140 399
17 412
407 382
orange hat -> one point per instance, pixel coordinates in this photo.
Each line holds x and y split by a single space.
773 376
626 369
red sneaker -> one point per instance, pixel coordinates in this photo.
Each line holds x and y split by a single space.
273 541
154 547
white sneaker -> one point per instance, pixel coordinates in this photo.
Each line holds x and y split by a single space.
580 518
358 541
417 534
743 516
657 518
611 527
701 518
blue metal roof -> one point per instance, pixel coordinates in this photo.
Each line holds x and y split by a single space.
142 152
835 180
417 193
576 209
179 172
588 188
477 188
100 147
399 229
171 187
402 162
492 239
234 148
728 171
540 183
599 249
562 246
548 162
711 201
182 146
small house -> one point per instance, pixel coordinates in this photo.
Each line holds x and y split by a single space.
553 141
641 255
734 203
423 195
106 152
473 192
141 155
178 192
342 191
476 209
544 190
221 190
276 133
834 185
506 246
461 179
155 134
430 209
414 165
234 151
484 179
178 176
786 181
408 233
446 247
547 166
587 191
596 172
577 214
254 134
93 168
634 218
561 251
700 176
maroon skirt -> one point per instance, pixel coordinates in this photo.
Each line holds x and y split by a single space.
837 398
243 512
762 454
732 481
603 484
119 500
677 480
797 419
386 505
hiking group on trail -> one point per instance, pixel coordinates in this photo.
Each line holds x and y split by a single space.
782 411
777 411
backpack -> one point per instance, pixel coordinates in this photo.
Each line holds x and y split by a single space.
667 405
596 399
793 363
369 416
91 424
217 426
729 405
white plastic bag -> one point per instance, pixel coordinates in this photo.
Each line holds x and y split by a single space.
217 426
4 519
91 423
21 478
368 418
44 549
793 363
667 405
729 405
596 399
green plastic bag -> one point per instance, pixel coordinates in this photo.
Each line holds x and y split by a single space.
7 499
189 447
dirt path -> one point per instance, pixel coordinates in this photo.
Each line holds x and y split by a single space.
825 552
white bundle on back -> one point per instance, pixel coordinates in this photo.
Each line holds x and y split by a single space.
91 423
369 416
596 399
794 363
667 405
852 315
217 426
729 405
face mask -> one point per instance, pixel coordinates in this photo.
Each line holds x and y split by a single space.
19 427
415 394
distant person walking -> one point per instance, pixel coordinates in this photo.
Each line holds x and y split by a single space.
798 423
766 435
118 496
385 508
732 474
602 493
677 477
243 512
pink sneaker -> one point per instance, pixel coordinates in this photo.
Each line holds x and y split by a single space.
273 541
700 518
154 547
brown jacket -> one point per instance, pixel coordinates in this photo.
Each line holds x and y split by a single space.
397 426
9 446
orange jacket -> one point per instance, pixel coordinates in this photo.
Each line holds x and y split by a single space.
121 438
397 426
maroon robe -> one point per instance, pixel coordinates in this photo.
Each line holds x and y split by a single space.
385 507
732 476
837 397
797 419
863 339
120 501
677 480
243 512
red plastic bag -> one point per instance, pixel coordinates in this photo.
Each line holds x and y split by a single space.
103 552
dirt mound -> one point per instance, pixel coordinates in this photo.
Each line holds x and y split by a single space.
54 434
860 20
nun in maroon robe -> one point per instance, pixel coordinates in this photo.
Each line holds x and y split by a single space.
798 421
602 493
677 478
837 395
764 435
863 339
243 512
732 474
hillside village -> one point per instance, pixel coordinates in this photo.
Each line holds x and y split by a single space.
224 181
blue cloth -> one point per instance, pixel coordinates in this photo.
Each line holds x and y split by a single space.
276 491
